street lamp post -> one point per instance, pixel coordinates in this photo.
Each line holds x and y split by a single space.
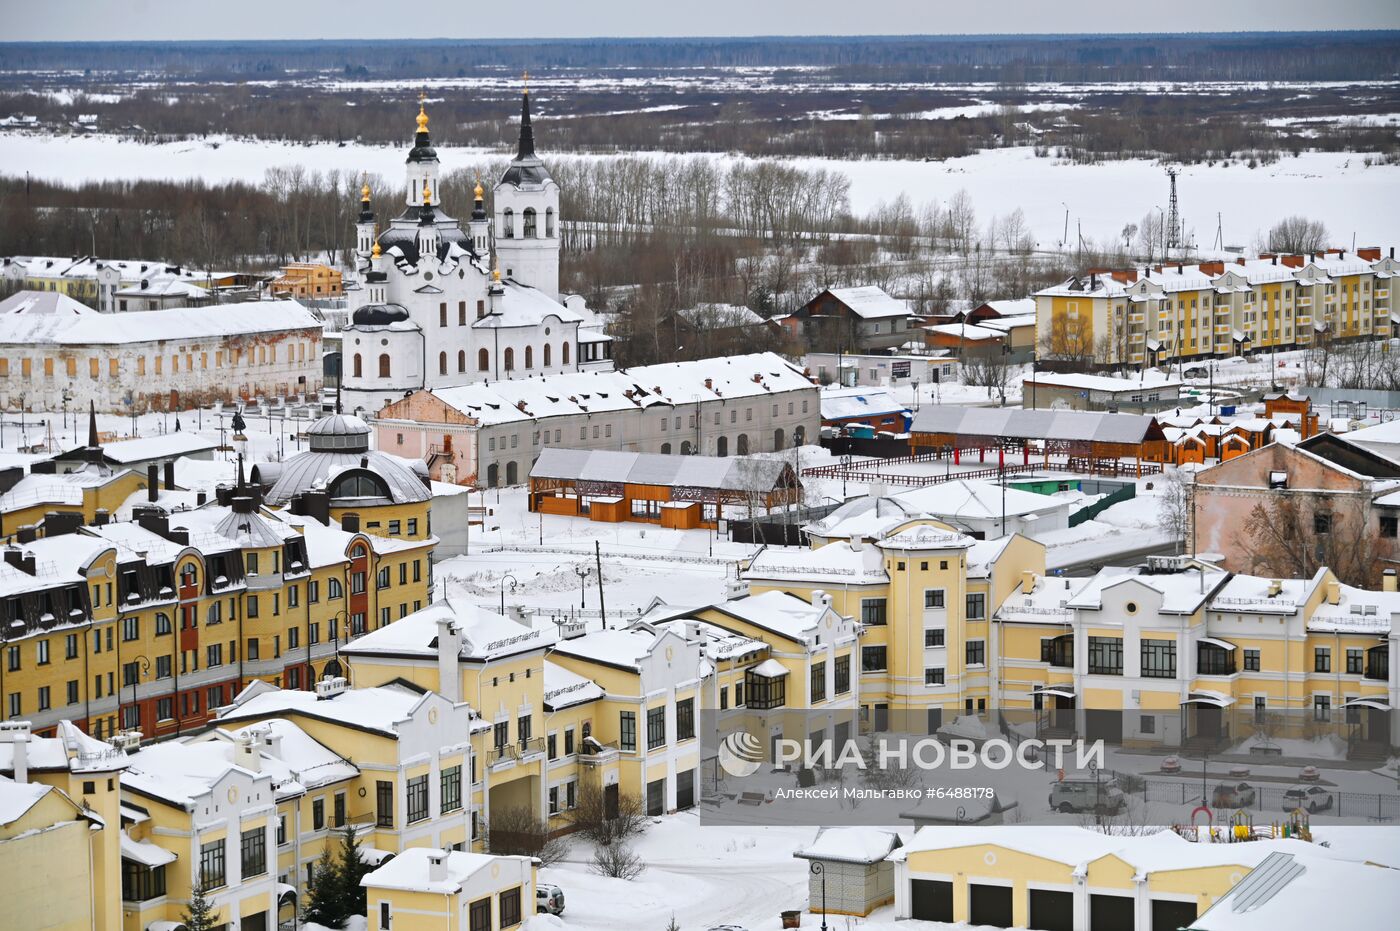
513 583
143 669
817 870
583 572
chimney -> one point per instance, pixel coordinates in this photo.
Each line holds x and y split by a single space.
350 523
1027 582
1390 582
856 543
1334 592
17 732
437 866
1369 253
1275 588
27 533
245 752
242 504
101 517
169 474
449 647
710 383
152 482
821 599
272 743
201 497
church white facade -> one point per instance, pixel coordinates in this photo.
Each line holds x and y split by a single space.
442 306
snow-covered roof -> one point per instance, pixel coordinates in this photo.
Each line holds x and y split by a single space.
849 403
1183 592
624 648
925 536
144 852
968 331
63 488
166 446
1357 610
34 318
71 750
378 708
1147 380
1295 889
719 643
485 634
870 302
777 612
409 871
836 561
521 305
534 399
1046 603
971 499
1018 307
727 473
1255 594
1016 423
721 316
17 798
850 845
564 689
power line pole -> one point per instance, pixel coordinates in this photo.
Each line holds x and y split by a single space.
598 558
1173 215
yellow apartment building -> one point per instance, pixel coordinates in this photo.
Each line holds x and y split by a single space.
1153 314
448 890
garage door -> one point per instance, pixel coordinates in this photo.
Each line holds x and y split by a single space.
932 899
1169 916
991 905
1052 911
1111 913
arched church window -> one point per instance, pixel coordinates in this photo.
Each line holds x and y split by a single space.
483 360
510 359
530 232
359 367
529 357
384 365
549 222
546 355
565 354
508 224
461 360
442 363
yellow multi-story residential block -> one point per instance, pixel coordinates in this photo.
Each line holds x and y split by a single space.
924 594
1179 311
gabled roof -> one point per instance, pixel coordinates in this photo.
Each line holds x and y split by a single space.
1014 423
870 302
734 473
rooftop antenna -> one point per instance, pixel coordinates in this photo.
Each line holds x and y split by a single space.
1173 215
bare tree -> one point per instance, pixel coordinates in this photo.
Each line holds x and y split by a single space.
1174 505
1292 536
594 821
516 831
616 861
1297 234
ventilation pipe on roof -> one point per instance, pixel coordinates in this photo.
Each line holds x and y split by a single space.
19 741
169 474
1390 582
1275 587
437 866
1334 592
856 543
152 482
245 752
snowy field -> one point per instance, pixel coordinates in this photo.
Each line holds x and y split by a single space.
1343 192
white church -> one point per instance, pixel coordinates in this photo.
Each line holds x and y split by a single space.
442 306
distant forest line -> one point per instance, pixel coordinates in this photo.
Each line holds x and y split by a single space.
1314 56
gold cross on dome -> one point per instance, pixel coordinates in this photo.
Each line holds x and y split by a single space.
527 82
422 95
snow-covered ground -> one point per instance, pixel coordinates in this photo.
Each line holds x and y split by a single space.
1339 189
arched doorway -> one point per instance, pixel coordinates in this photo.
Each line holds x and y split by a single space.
493 475
777 439
799 436
722 446
685 448
333 668
743 444
665 449
511 470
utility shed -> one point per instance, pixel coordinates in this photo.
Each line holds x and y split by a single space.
1092 442
854 861
676 491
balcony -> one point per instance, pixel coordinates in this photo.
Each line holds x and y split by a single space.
1223 309
1304 302
1137 317
597 753
1222 329
519 752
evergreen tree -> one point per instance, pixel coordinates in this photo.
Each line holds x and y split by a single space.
325 898
353 868
200 914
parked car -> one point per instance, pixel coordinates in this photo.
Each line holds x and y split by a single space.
1238 795
1196 372
1311 798
1071 795
549 899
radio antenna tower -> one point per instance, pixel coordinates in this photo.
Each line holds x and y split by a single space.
1173 215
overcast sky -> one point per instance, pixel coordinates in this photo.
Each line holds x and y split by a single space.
49 20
